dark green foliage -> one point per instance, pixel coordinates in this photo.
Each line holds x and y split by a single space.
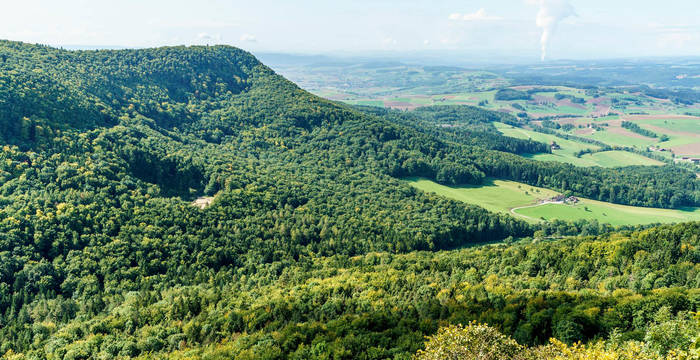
465 125
512 94
462 114
633 127
386 302
683 96
309 248
45 88
568 127
550 124
574 99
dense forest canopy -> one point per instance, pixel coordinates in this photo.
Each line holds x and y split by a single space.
312 244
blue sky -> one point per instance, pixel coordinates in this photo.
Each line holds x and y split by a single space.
597 28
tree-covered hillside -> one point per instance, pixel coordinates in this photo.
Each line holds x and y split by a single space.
102 254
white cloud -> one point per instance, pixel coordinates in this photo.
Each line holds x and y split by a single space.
209 24
389 41
674 28
479 15
675 36
209 37
249 38
677 39
449 40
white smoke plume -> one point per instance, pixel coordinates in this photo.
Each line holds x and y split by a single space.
550 14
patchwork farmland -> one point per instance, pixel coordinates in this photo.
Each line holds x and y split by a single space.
574 115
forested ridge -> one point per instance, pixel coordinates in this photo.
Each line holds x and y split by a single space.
103 256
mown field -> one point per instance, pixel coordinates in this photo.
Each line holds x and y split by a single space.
610 213
496 195
606 159
510 197
569 148
683 133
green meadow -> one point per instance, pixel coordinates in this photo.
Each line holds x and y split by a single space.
494 195
612 138
569 148
613 214
689 125
521 200
606 159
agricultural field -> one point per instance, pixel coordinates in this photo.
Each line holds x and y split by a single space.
541 104
605 212
597 117
682 132
495 195
523 201
594 112
607 159
618 136
569 148
410 102
392 84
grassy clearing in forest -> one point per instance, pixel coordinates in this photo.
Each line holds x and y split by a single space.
569 148
521 200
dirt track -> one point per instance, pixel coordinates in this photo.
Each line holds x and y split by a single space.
512 211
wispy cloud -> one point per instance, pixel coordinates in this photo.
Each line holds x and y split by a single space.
479 15
678 39
674 28
210 24
389 41
677 36
209 37
248 38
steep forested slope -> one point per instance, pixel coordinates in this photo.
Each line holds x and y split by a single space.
102 253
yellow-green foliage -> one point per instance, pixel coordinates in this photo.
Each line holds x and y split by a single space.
475 341
482 342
